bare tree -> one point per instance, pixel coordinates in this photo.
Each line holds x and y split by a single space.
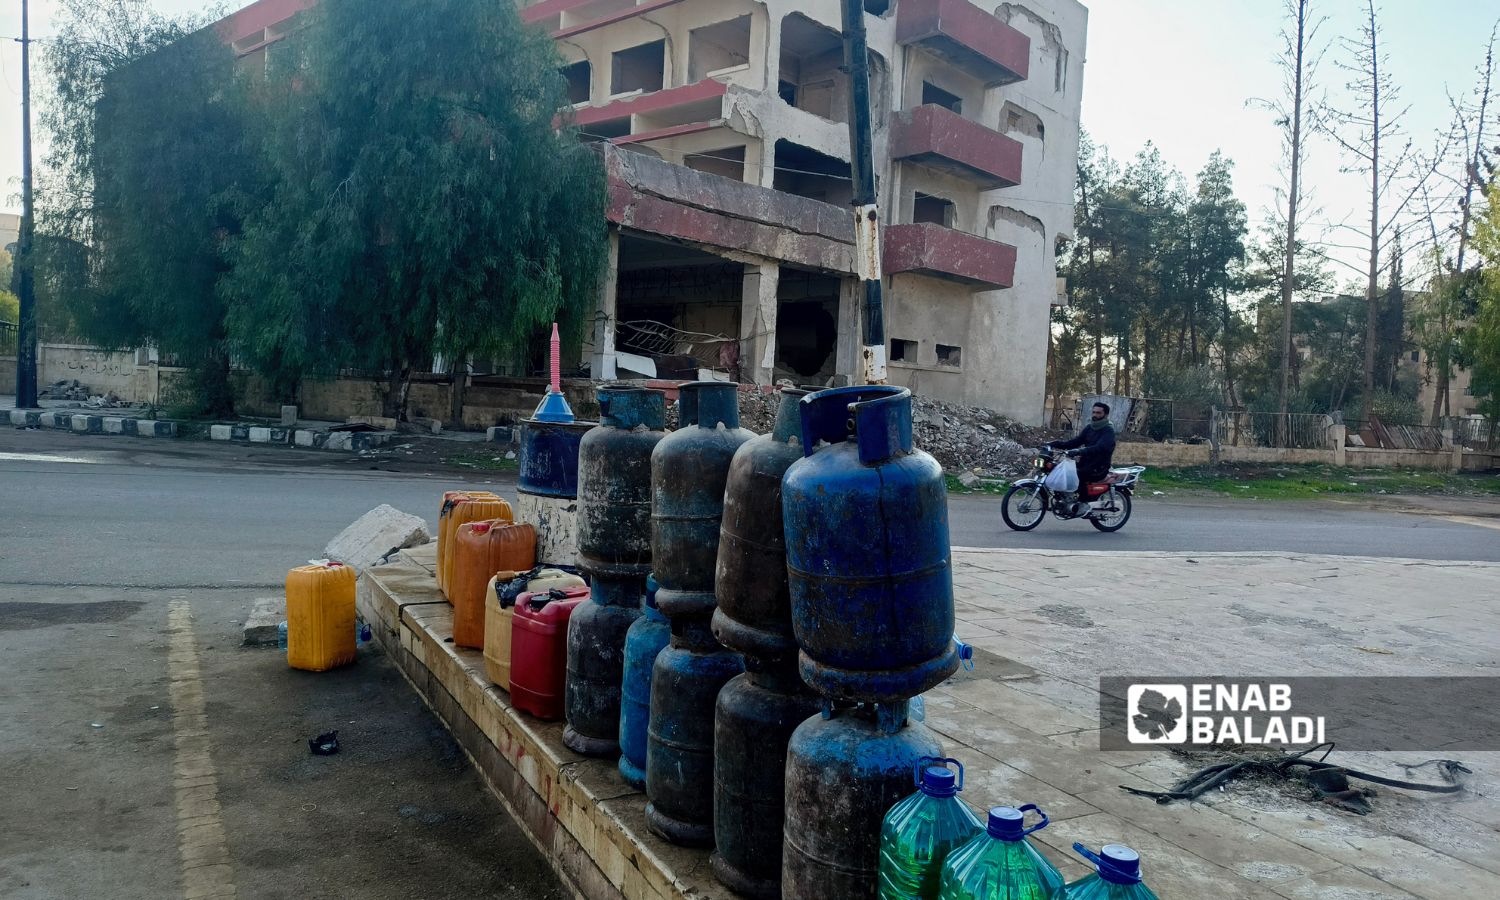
1300 54
1469 136
1366 131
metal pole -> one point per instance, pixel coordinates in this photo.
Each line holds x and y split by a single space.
862 172
26 386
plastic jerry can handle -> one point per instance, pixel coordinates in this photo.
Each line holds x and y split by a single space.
924 763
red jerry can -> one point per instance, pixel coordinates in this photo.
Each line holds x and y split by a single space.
539 650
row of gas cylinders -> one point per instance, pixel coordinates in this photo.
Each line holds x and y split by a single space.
800 594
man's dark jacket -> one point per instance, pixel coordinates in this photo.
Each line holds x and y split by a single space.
1098 442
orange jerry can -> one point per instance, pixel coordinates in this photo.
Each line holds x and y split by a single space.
468 506
480 550
498 616
320 617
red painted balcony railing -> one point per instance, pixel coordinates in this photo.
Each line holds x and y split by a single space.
938 137
928 249
967 36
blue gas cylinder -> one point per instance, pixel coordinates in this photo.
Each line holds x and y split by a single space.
647 637
614 550
868 563
845 769
689 469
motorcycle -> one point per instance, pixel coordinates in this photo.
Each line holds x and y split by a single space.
1105 504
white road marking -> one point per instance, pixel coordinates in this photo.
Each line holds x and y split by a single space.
43 457
200 832
1475 521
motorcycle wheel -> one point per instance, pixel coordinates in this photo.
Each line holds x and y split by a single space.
1031 508
1113 521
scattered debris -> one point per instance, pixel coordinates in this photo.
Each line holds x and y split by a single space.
1327 782
325 744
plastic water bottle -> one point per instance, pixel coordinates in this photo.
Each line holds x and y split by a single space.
281 636
1001 864
920 831
361 633
1117 875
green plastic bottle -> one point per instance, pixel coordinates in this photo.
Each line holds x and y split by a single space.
1001 864
919 832
1117 875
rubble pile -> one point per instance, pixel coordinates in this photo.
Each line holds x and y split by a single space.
67 390
971 438
961 438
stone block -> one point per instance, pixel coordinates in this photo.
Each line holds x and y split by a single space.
339 440
153 428
221 432
266 616
239 432
267 435
26 418
500 434
306 437
85 424
114 425
375 534
288 417
57 420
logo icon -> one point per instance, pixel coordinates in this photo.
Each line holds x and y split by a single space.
1157 713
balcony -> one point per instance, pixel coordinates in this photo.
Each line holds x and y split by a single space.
943 139
698 102
698 208
938 252
967 37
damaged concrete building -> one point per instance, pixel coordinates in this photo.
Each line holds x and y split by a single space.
722 127
727 154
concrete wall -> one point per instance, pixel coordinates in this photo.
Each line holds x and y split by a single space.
1171 455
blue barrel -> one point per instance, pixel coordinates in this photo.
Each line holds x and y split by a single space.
549 457
868 562
688 471
646 638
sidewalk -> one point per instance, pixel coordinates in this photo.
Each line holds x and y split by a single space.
1046 625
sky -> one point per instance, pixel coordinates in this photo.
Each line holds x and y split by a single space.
1177 73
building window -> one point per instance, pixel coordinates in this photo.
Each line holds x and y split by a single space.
903 351
714 48
936 210
949 356
728 162
578 76
640 68
936 96
812 68
807 173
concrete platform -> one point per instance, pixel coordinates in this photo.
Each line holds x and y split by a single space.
1025 725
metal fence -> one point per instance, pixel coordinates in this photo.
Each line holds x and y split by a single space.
1300 431
8 335
1170 420
1474 432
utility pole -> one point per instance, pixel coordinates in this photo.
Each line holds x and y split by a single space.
26 386
862 172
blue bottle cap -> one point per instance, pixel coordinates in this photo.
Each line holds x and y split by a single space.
938 781
1006 823
1116 863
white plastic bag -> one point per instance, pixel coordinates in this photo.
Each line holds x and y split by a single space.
1064 478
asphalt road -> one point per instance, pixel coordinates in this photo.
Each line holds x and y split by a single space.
109 511
145 755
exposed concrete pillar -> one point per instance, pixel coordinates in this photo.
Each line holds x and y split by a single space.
1450 436
758 323
1338 436
850 342
602 363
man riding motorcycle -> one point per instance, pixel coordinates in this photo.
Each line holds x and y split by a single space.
1093 447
